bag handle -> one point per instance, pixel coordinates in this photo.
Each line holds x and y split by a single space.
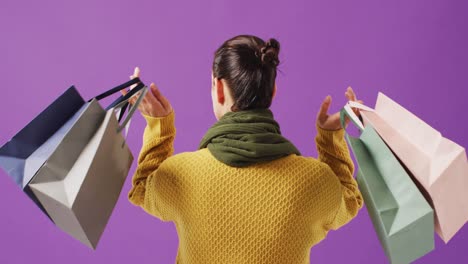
360 106
118 88
125 98
124 103
347 111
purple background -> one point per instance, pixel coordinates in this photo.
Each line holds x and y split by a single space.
414 51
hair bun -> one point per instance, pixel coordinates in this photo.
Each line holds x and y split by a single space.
270 52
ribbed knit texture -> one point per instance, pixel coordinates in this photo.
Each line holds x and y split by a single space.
247 137
271 212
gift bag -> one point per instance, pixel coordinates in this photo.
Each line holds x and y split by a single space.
439 166
46 164
20 158
402 218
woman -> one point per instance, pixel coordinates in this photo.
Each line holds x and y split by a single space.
246 195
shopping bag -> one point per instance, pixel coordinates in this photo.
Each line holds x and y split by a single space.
24 154
402 218
438 165
79 192
50 144
20 157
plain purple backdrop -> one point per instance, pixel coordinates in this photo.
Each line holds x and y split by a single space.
416 52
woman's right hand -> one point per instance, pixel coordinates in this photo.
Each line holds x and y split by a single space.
154 104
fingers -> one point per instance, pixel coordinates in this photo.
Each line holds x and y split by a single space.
155 91
161 98
350 94
149 102
356 110
136 73
323 112
149 98
153 103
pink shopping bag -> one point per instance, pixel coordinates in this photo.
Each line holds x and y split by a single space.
437 164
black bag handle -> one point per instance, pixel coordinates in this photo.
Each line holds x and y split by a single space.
134 107
117 89
121 98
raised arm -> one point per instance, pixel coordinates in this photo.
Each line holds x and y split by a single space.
158 145
148 185
333 151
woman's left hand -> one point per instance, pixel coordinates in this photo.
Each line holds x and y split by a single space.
332 122
154 104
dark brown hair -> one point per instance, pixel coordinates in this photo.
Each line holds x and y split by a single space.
248 65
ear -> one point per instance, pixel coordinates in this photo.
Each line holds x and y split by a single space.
219 88
274 91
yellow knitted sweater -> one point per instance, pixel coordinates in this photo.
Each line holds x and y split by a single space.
271 212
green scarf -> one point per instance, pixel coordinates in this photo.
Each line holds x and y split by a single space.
247 137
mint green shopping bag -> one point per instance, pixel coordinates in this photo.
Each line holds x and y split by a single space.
402 218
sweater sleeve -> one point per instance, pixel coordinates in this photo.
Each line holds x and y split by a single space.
158 145
333 151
